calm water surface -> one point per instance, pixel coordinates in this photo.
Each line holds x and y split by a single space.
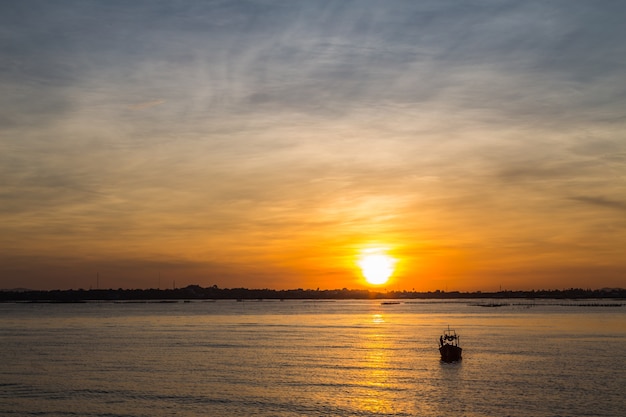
299 358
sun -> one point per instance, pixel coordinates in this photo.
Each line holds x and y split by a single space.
376 266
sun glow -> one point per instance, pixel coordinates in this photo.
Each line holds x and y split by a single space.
376 266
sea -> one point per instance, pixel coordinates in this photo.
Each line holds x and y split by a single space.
312 358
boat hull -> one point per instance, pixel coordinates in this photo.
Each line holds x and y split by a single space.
450 353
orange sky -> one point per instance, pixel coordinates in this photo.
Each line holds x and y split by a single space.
266 147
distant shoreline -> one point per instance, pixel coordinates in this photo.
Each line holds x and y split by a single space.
196 292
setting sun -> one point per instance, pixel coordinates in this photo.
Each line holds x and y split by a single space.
376 267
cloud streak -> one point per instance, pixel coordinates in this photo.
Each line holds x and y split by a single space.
601 202
146 104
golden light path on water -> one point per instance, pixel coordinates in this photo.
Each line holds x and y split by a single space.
377 348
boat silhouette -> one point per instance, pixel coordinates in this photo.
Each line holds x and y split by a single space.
449 346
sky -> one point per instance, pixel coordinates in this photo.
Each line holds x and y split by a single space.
268 144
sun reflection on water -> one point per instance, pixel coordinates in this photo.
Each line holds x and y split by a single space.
378 318
378 387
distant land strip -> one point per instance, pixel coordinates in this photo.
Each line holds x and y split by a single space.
196 292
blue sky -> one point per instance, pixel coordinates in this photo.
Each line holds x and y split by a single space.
263 143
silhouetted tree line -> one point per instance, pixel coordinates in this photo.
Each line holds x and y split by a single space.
196 292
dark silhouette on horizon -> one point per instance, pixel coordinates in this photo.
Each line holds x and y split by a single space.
196 292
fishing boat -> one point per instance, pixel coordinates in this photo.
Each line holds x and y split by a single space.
449 346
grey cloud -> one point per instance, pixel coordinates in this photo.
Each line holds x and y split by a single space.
247 56
600 201
543 171
507 59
